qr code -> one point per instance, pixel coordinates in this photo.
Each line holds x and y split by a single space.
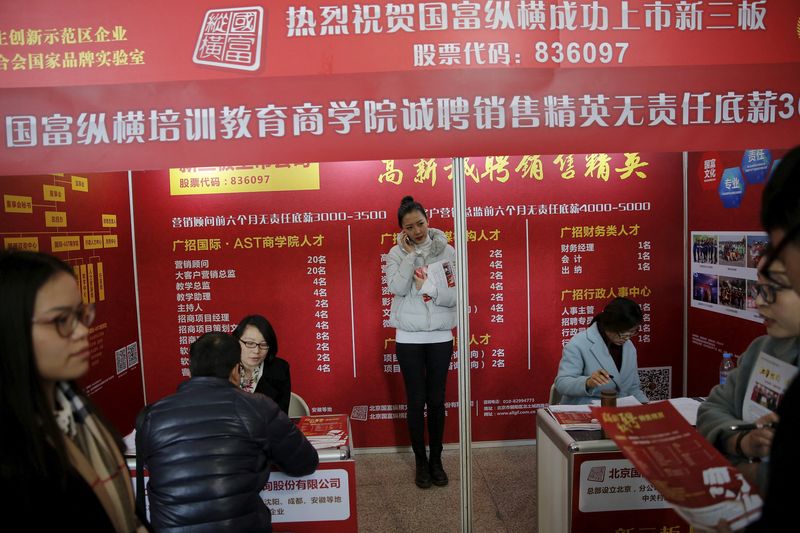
121 356
133 354
359 412
656 382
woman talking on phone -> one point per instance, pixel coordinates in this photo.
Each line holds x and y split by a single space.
424 315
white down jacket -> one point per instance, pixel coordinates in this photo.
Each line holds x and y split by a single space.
410 311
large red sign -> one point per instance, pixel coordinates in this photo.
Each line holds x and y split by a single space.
403 115
44 43
85 87
551 239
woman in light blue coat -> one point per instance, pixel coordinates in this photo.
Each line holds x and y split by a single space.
603 356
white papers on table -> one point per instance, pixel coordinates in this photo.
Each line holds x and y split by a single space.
564 408
333 439
687 407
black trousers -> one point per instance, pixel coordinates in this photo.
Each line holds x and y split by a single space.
424 368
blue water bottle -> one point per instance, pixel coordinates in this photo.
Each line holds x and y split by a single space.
725 367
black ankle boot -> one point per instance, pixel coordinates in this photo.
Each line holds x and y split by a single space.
438 475
423 476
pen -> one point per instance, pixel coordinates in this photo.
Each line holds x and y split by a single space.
748 427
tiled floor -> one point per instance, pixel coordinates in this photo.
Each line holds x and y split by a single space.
503 495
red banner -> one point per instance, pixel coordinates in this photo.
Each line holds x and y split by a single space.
218 243
90 88
89 42
85 220
226 122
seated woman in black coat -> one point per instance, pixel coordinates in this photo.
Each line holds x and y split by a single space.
261 370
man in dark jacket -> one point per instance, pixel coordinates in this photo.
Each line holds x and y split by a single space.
209 446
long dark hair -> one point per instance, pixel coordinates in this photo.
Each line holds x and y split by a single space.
265 328
26 416
407 205
621 314
780 202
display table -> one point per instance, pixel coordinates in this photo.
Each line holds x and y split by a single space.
326 499
322 501
585 484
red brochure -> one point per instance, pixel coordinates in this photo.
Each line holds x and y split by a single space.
694 478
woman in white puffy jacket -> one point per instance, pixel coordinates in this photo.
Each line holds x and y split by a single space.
424 314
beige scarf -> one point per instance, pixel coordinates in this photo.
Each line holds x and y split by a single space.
93 453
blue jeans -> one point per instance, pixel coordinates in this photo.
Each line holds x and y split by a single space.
424 368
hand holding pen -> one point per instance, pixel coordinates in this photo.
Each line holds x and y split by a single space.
598 378
751 427
755 440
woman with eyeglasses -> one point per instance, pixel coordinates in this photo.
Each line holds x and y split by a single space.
780 216
603 356
60 463
261 370
733 403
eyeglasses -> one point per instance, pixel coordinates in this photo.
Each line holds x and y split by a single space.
774 253
625 335
250 345
66 323
769 291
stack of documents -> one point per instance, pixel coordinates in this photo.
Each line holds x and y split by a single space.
334 439
324 431
574 417
579 417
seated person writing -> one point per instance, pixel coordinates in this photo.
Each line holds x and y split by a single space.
738 400
602 357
